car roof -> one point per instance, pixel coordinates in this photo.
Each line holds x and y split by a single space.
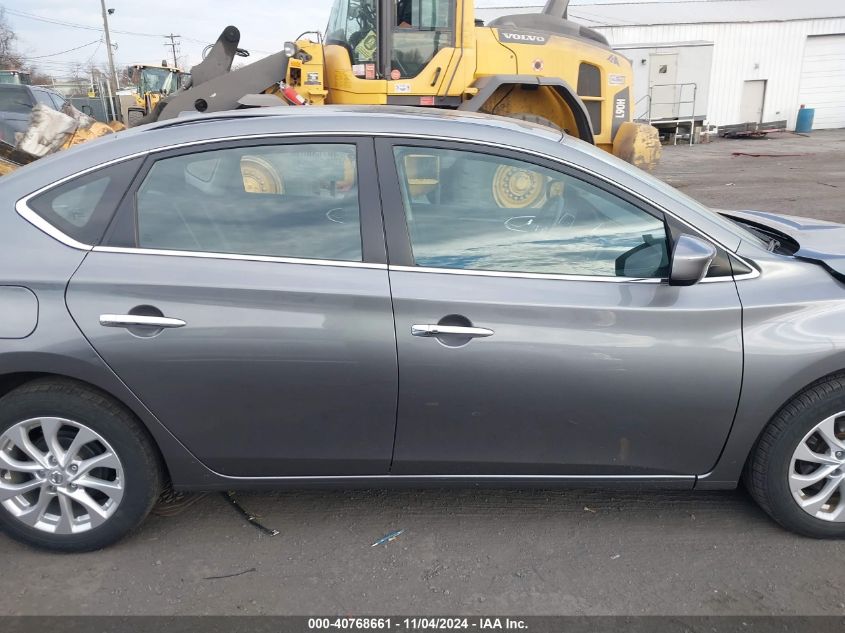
304 121
18 87
393 118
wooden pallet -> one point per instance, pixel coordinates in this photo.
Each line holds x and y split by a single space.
752 130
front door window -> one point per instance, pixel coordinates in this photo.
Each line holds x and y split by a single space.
475 211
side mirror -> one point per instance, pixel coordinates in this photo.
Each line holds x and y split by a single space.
691 260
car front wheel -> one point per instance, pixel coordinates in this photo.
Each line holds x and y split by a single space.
77 471
797 470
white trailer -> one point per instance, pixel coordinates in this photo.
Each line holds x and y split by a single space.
671 85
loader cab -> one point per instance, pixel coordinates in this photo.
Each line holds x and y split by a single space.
16 77
160 80
392 39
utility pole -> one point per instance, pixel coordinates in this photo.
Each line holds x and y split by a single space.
112 71
172 45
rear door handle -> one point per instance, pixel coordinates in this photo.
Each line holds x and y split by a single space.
429 331
130 320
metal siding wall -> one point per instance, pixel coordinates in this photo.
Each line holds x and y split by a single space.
777 47
823 80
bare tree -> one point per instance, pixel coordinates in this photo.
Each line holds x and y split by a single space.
38 77
9 57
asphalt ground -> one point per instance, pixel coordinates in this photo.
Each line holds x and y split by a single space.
480 551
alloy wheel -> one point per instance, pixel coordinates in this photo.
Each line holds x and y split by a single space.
59 476
817 470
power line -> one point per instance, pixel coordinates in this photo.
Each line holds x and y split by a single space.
67 51
38 18
87 27
74 25
94 54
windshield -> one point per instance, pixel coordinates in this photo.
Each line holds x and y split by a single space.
158 80
14 99
352 24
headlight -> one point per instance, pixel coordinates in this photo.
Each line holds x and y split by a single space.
290 49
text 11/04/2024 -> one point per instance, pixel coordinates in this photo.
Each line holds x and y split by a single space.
417 624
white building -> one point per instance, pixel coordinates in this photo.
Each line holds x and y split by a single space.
768 58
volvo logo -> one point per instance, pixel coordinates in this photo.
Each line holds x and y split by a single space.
522 38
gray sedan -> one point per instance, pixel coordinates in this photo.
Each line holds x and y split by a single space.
325 296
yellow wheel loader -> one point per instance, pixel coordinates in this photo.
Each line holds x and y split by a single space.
540 67
434 53
154 83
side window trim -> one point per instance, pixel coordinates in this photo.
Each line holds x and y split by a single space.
396 226
124 172
122 235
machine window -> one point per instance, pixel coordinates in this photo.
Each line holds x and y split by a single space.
353 24
279 200
423 27
479 212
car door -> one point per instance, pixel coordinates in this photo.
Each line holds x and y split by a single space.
536 331
242 294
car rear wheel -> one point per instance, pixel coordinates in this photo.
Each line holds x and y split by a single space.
77 471
797 470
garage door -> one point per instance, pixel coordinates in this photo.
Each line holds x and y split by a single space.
823 80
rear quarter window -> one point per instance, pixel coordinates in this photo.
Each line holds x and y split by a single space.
83 207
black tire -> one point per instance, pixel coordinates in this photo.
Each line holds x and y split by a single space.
134 117
141 463
767 471
535 118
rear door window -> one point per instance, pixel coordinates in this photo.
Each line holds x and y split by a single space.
297 201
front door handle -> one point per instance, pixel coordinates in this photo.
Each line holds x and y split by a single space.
133 320
429 331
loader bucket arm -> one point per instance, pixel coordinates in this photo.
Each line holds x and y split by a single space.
219 59
215 87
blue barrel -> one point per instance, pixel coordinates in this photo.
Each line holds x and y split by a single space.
804 124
